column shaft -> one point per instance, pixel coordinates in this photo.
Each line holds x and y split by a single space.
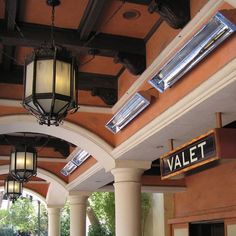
78 205
54 221
128 201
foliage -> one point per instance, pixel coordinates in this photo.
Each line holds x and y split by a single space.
22 217
43 220
4 218
146 206
98 230
103 205
65 220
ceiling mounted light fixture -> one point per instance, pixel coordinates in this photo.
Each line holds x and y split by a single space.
12 188
23 163
50 76
131 14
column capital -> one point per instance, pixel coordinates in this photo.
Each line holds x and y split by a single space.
133 164
129 170
127 174
54 207
78 197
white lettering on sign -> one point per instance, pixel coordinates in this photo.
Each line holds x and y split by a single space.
184 162
177 162
201 146
186 157
192 154
170 164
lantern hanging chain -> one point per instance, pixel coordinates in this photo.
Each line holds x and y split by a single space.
52 27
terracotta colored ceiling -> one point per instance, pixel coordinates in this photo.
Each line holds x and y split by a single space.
118 25
68 15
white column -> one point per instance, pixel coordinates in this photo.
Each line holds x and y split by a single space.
54 213
128 201
78 204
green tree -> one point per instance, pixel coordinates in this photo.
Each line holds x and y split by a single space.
4 218
145 206
65 220
98 230
23 216
43 220
103 205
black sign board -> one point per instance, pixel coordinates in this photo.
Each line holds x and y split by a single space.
195 153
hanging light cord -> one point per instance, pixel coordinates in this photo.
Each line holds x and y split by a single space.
52 27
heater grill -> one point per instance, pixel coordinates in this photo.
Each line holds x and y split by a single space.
201 44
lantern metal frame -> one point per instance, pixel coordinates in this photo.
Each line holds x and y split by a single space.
24 173
13 194
32 102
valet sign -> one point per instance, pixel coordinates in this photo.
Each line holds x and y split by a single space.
191 155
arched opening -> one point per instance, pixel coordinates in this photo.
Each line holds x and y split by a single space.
72 133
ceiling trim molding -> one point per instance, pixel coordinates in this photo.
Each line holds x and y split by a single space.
201 17
214 84
83 177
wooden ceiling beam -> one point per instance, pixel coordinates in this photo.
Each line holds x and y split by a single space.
58 145
10 17
90 17
105 44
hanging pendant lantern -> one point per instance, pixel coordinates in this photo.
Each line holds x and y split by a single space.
23 163
12 188
50 76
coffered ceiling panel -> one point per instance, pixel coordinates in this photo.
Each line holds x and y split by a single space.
99 64
117 19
